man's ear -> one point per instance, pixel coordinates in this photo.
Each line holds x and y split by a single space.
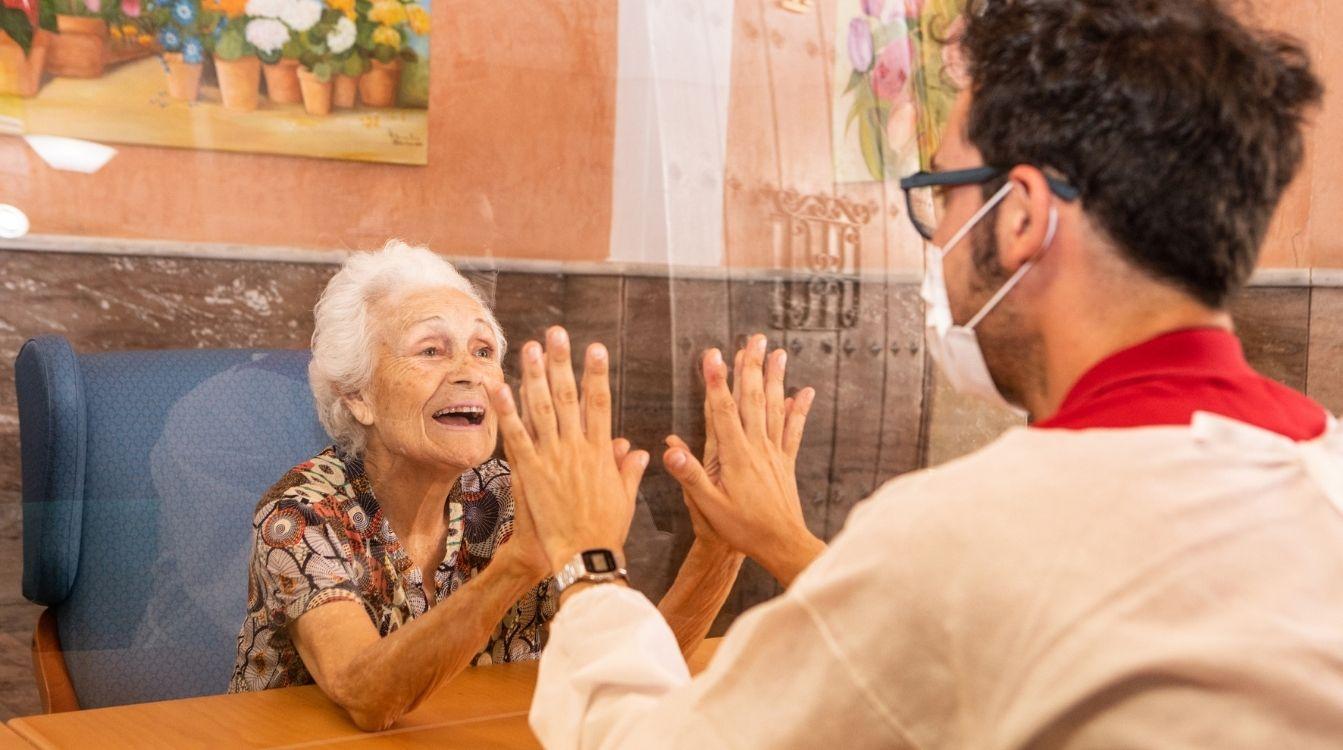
359 407
1024 226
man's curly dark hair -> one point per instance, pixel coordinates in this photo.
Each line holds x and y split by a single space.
1180 125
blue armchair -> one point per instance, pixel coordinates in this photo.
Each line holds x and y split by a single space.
140 473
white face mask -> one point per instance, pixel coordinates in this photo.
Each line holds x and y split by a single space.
955 348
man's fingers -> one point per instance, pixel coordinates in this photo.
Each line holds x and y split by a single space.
597 395
563 389
751 392
540 409
517 443
775 406
620 447
796 421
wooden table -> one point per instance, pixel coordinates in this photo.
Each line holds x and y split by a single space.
484 707
11 741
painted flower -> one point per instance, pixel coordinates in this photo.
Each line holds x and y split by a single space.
419 19
129 30
192 50
227 8
145 40
860 44
387 12
884 10
94 6
184 12
263 8
266 34
301 15
388 36
130 8
891 72
345 7
114 32
29 8
170 40
341 37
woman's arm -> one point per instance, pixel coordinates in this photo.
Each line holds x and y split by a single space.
377 679
696 596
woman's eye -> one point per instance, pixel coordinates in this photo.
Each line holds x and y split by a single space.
485 352
430 351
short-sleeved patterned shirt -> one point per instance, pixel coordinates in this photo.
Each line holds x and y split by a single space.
319 536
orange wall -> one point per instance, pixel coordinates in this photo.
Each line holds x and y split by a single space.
521 127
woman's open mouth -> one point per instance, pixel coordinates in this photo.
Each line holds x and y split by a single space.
461 415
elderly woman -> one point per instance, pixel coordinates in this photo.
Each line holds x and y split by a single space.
399 555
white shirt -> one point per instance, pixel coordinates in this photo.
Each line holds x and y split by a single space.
1171 587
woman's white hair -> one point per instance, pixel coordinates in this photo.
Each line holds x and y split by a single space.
344 333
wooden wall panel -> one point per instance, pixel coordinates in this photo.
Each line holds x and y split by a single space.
646 411
906 389
526 305
1274 328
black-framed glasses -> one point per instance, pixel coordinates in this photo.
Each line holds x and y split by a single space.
924 204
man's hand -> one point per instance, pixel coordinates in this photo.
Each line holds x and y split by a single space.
579 485
752 504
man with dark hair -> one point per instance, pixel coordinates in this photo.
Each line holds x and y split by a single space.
1156 562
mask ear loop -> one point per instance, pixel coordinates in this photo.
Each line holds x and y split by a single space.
987 207
1016 277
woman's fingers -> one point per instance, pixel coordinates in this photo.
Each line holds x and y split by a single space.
536 386
796 421
517 443
632 469
698 486
563 389
775 407
720 408
751 394
620 447
597 395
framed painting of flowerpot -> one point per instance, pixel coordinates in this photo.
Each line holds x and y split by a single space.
333 79
895 78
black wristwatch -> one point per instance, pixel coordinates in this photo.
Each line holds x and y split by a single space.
591 566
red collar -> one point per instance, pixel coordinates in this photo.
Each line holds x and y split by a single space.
1166 380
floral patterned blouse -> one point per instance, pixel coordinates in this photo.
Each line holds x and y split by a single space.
320 537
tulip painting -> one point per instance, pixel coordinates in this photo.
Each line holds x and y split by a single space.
894 53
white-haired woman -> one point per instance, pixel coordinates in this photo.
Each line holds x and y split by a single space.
398 556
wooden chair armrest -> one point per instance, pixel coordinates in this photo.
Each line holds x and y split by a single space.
53 679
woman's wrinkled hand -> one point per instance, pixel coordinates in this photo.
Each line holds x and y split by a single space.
579 485
750 502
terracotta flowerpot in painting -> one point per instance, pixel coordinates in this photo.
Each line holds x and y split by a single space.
79 49
19 73
282 82
316 92
184 78
344 91
379 86
239 82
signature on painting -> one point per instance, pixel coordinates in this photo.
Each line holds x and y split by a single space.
405 139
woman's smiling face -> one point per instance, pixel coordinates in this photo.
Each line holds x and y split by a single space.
436 356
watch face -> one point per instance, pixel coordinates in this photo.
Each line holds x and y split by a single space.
599 561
